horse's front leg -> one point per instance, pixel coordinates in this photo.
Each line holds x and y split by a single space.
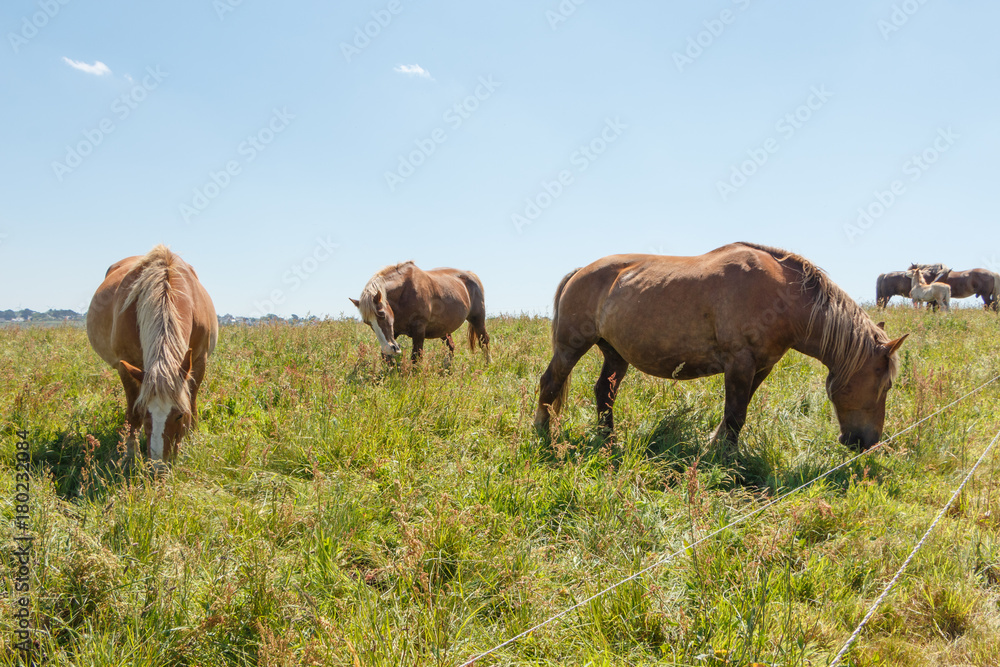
417 335
742 377
133 420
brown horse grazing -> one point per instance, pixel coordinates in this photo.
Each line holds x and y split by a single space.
154 323
403 300
888 285
736 310
982 283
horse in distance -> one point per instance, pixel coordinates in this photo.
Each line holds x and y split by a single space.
735 310
981 283
404 300
936 293
932 272
888 285
153 322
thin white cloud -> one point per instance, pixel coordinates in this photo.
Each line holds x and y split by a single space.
415 70
97 69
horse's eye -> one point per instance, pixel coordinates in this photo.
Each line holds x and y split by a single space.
179 417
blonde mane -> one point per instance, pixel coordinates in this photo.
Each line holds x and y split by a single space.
161 336
376 287
849 338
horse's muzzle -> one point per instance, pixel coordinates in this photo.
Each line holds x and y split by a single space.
859 442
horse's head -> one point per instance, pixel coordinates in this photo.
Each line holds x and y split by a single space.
916 277
378 315
164 421
860 402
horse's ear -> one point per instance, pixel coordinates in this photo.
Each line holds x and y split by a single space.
357 304
893 345
378 297
186 364
137 373
881 325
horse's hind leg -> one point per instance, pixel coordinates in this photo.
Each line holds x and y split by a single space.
606 389
450 343
554 385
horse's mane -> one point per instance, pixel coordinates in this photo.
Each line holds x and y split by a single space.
932 268
160 334
849 337
376 287
935 271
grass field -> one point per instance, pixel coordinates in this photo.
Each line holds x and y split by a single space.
331 511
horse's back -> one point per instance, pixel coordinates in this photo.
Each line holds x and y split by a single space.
458 285
721 272
674 315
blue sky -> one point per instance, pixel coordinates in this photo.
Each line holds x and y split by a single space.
287 155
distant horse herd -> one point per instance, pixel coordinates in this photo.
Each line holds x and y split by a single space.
936 285
735 310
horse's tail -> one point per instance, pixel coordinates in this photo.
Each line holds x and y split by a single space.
878 289
555 302
996 290
477 311
472 337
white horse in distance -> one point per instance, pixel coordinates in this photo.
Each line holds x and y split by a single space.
937 294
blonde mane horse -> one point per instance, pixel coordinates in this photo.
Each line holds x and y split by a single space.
937 294
405 300
153 322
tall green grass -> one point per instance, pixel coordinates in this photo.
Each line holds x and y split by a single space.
331 510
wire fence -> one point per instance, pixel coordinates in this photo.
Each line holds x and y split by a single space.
906 563
737 522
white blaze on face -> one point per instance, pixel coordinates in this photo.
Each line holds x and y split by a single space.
158 410
383 343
